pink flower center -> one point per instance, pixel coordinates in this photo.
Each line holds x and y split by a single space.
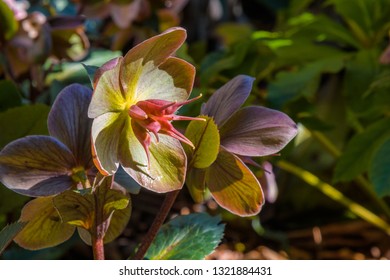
154 116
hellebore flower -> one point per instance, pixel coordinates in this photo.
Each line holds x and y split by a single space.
48 165
136 96
252 131
59 171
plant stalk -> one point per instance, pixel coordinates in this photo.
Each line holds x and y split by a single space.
156 225
98 248
360 180
97 235
336 195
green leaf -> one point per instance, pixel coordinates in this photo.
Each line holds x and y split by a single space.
190 237
8 23
365 18
361 70
80 208
380 170
205 137
304 82
45 228
359 151
91 70
8 233
77 208
21 121
74 71
9 95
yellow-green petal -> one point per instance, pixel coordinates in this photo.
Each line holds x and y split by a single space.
233 185
45 228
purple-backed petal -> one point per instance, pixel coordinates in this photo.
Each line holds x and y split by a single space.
233 185
68 122
228 99
36 166
257 131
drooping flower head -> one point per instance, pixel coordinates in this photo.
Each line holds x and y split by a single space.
134 97
252 131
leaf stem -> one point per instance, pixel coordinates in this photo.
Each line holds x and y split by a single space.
363 183
334 194
156 225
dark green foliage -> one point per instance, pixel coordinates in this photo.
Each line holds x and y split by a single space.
190 237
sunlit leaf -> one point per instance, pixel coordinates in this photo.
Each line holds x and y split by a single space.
8 23
45 228
205 137
111 208
234 186
380 170
190 237
76 208
8 233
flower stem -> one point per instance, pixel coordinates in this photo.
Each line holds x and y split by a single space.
98 248
156 225
360 180
98 231
336 195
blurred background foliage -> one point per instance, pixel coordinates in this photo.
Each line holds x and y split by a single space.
323 62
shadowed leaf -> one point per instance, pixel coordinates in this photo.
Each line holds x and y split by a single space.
22 121
9 95
380 170
357 154
8 233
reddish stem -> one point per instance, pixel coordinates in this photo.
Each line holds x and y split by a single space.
98 248
156 225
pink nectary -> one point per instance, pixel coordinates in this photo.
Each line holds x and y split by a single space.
155 116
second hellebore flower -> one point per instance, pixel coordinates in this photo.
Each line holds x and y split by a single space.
252 131
134 101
